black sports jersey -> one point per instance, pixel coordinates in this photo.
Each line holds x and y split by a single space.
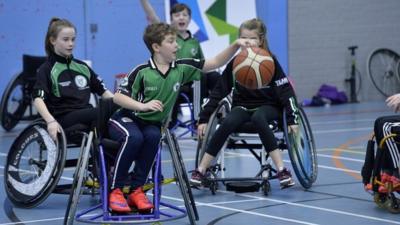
146 83
65 84
279 93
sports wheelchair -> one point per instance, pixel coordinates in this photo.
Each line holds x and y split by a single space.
17 95
385 193
35 164
184 127
300 145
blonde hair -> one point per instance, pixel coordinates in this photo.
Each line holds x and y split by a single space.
55 26
259 26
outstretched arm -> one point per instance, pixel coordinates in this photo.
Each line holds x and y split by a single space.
129 103
151 14
223 57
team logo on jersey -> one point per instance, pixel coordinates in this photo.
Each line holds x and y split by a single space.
193 51
80 81
123 82
176 86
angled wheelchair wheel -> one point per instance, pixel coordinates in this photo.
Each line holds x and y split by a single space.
13 103
215 120
302 151
78 180
34 165
182 178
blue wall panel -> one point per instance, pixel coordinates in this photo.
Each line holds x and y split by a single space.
117 44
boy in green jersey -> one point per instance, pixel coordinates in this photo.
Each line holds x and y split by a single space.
147 96
188 47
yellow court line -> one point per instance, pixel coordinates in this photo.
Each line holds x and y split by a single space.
338 151
348 150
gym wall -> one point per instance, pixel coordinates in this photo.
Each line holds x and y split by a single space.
320 33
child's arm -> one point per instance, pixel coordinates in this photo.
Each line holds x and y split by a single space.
223 57
151 14
52 125
394 102
131 104
107 94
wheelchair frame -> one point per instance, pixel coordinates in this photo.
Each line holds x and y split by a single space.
189 125
371 173
303 154
48 170
17 94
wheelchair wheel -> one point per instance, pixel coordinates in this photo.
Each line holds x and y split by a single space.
79 175
34 166
182 178
302 151
215 120
13 103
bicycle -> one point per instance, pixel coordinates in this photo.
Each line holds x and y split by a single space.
17 95
354 80
383 69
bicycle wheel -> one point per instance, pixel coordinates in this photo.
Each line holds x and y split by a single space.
34 166
215 120
302 151
79 175
382 70
13 104
182 179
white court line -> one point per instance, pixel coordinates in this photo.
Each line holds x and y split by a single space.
341 158
342 121
214 205
34 221
342 130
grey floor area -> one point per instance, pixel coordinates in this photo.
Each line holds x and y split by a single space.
337 197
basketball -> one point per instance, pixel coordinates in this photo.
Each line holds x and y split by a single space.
253 67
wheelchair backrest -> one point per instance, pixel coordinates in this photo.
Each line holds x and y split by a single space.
30 64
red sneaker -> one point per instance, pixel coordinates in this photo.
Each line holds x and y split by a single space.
396 183
383 189
117 202
138 199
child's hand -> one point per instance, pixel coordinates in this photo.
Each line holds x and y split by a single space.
394 102
244 42
201 129
153 105
53 128
293 129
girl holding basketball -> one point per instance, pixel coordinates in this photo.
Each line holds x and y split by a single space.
256 105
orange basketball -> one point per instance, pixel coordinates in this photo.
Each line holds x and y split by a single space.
253 67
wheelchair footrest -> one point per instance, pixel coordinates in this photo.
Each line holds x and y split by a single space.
242 186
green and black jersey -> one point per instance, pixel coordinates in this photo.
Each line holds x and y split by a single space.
146 83
188 48
65 84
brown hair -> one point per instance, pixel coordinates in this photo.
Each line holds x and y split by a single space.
256 24
55 26
155 33
179 7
